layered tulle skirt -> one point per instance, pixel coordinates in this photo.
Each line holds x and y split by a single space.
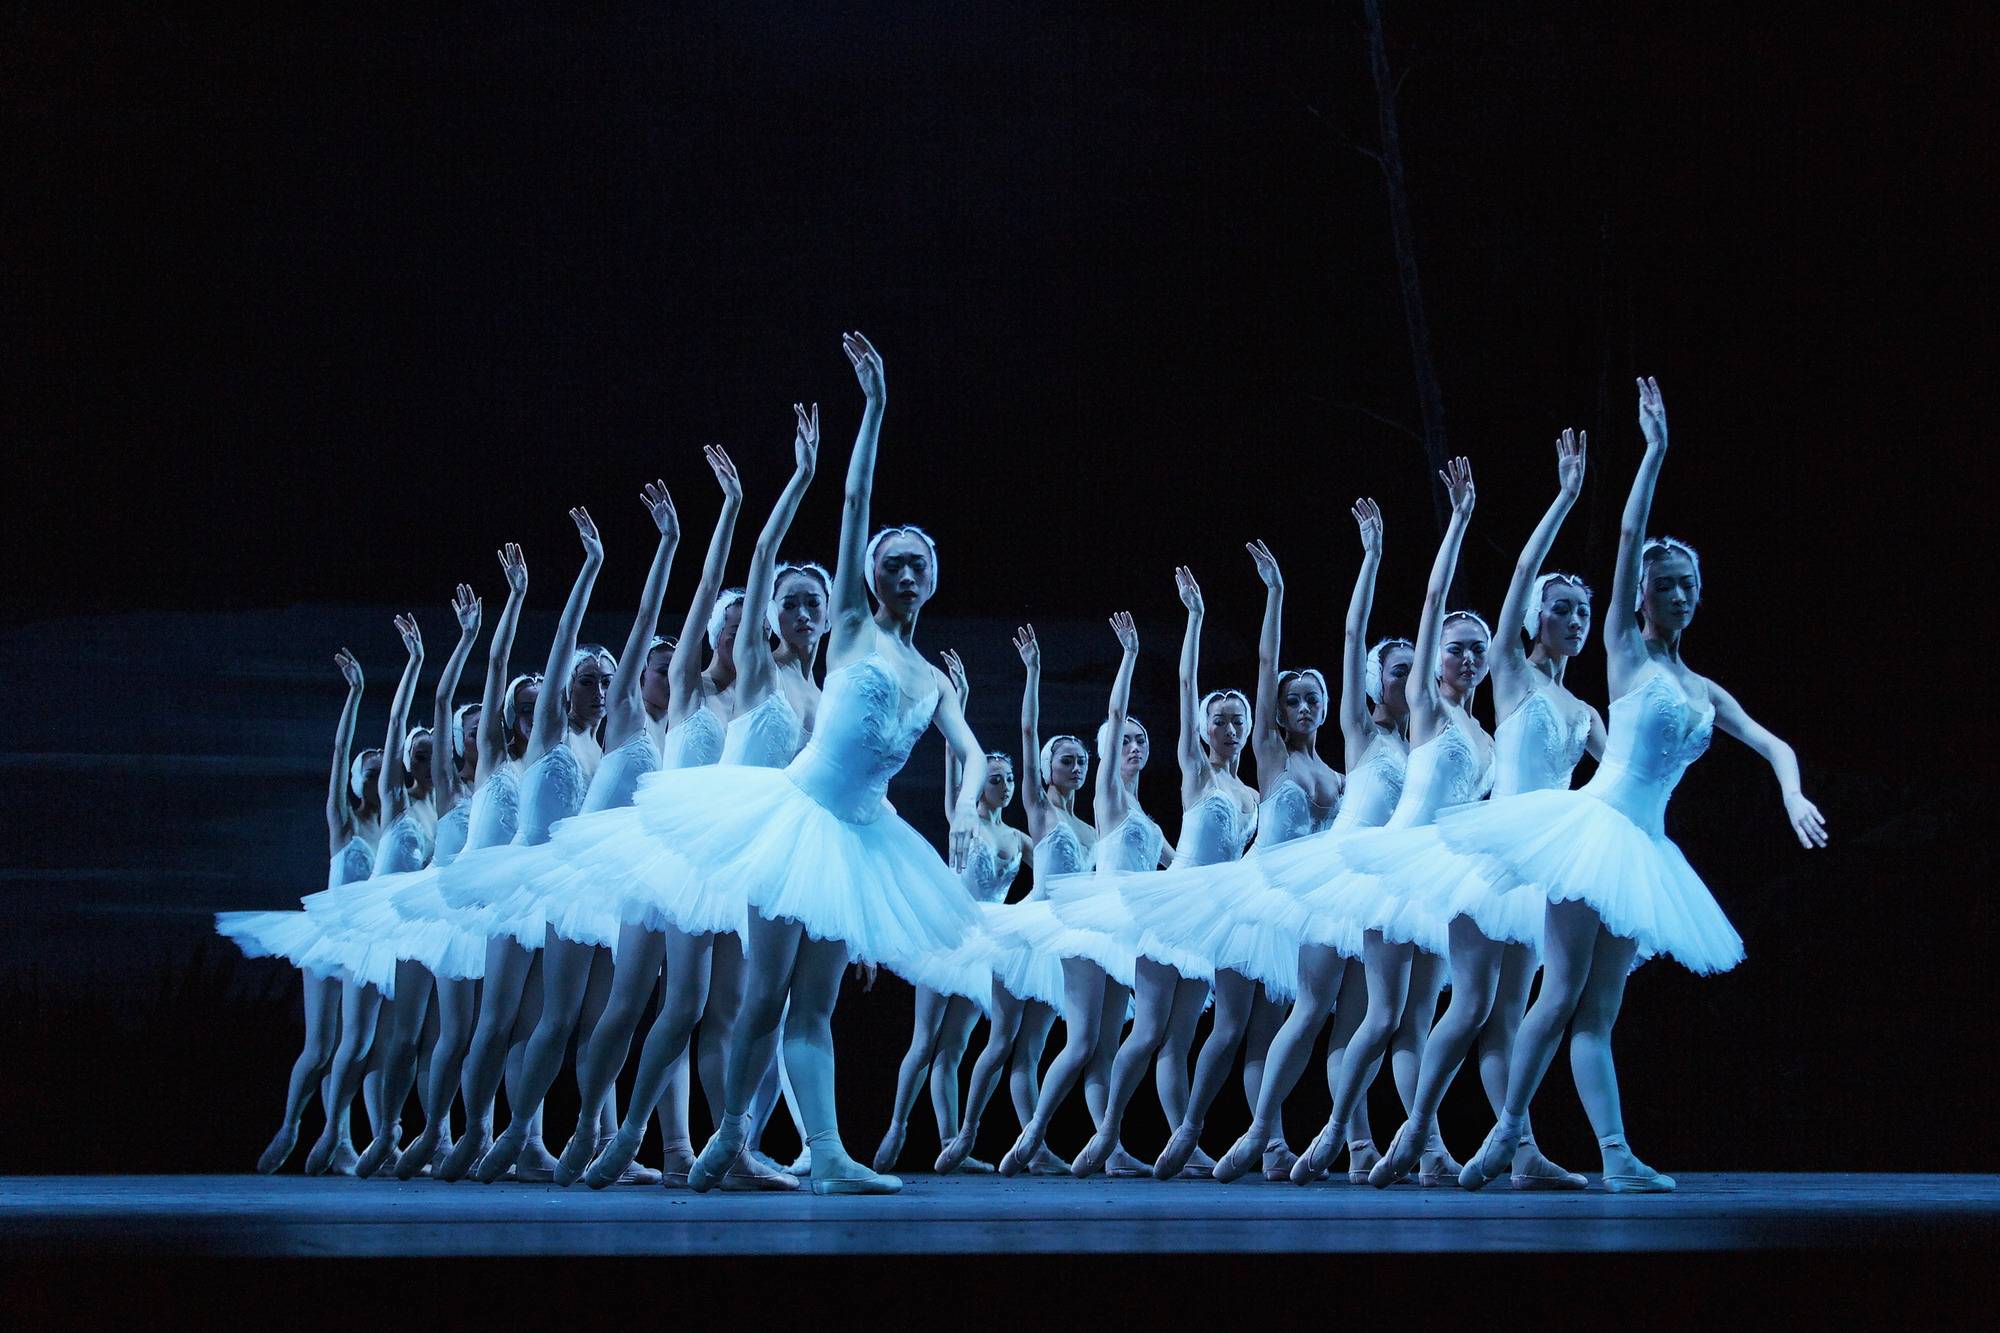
1565 846
1014 937
289 935
1201 919
1089 919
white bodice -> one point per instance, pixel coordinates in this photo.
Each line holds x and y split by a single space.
1537 748
1289 813
451 833
406 843
1656 732
1212 830
866 729
1134 845
1375 784
1060 852
986 877
1445 770
617 777
355 860
551 790
767 736
496 809
696 742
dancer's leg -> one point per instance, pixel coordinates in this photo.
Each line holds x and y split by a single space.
1320 971
399 1040
1110 1033
1267 1015
929 1016
1235 995
597 994
725 999
1475 976
507 969
688 981
640 955
1083 1009
1428 973
771 950
1349 1008
1518 965
457 1011
565 976
1001 1035
1024 1066
1170 1067
808 1046
321 998
1154 1002
1386 967
954 1035
1595 1071
359 1003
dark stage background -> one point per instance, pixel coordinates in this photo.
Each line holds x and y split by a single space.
310 312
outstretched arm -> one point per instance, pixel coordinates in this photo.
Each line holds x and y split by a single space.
1422 690
444 783
950 719
1194 765
1624 642
1808 825
954 771
1356 718
339 799
625 705
390 785
1033 794
551 705
1510 661
850 578
684 667
754 664
493 726
1267 743
1110 805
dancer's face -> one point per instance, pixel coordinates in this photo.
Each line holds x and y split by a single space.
371 777
1135 747
1464 657
903 575
1395 678
1302 706
725 642
589 686
419 776
1069 765
1225 727
998 793
468 760
1671 592
1565 624
800 604
525 695
653 686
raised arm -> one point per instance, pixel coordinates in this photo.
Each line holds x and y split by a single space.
1267 743
755 668
391 786
1033 793
625 708
552 704
950 719
444 778
1356 718
1510 660
954 771
1110 805
339 798
1425 702
1194 764
1624 642
492 726
850 575
1808 825
684 667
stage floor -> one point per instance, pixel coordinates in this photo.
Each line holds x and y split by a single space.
287 1216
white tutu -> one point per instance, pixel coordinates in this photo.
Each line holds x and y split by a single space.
1202 918
1026 969
1094 922
1290 902
287 935
1569 845
393 917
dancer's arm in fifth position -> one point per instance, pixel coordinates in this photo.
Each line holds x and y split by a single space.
493 727
1357 718
1267 739
624 707
1427 713
391 784
444 763
552 704
1194 761
1112 798
684 667
1034 793
954 771
341 820
756 669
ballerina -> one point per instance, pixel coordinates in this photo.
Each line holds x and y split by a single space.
829 871
775 701
353 817
1027 981
1173 979
1542 731
1613 884
1096 964
552 784
1404 940
578 930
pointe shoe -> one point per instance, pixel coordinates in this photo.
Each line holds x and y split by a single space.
955 1153
320 1160
1046 1163
346 1162
1361 1159
411 1162
1632 1176
381 1153
1404 1152
1314 1160
746 1176
1180 1147
1532 1171
1236 1163
1439 1167
678 1159
639 1174
761 1158
972 1166
502 1156
717 1156
278 1151
578 1154
537 1165
464 1155
438 1154
891 1147
608 1167
1200 1166
1122 1165
1278 1159
1088 1162
1022 1153
1493 1156
802 1165
837 1173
